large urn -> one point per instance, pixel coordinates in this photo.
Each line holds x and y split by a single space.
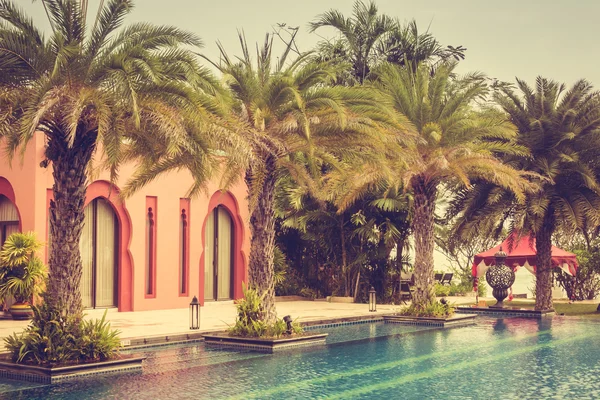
500 277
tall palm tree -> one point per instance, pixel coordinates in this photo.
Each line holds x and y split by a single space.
406 45
91 86
561 130
362 33
458 145
287 109
369 38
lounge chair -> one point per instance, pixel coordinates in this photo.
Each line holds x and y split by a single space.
406 290
438 277
447 278
407 276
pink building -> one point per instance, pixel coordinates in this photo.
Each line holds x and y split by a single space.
155 250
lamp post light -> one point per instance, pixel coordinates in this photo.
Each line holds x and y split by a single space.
195 314
288 322
372 300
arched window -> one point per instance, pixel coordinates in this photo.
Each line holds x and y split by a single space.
218 255
9 218
99 251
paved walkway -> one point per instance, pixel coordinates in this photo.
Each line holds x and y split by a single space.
216 316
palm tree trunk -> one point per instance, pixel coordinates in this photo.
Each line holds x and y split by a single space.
262 228
356 286
344 258
423 228
543 274
399 251
66 222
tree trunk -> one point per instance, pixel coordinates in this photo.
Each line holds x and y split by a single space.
66 221
423 228
543 274
344 258
356 286
262 244
399 251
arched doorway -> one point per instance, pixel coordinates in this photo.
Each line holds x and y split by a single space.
99 255
9 218
218 255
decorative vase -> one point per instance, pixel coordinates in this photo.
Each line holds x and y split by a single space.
21 311
500 277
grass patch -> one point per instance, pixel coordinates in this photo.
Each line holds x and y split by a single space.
573 310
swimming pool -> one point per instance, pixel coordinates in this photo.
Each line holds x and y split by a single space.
505 358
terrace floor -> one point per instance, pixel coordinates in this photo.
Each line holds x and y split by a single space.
217 316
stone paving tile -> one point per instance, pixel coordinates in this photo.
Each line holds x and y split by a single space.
216 316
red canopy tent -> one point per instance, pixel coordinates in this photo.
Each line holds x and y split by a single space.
523 254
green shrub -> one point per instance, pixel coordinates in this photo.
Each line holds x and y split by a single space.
54 340
98 341
278 328
250 318
308 293
460 289
437 309
22 272
441 290
297 328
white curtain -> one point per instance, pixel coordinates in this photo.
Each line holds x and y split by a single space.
105 254
209 256
86 247
224 249
9 219
10 229
8 211
99 233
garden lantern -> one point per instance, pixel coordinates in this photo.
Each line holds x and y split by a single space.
195 314
500 277
372 300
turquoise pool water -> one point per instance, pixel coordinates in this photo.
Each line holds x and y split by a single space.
509 359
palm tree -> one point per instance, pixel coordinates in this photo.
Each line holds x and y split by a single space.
458 145
350 240
290 117
406 45
94 86
561 130
368 38
361 33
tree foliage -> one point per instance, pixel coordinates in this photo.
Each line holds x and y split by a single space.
560 130
368 38
135 92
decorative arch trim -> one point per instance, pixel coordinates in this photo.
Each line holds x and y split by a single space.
230 203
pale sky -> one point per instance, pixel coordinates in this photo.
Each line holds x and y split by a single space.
505 38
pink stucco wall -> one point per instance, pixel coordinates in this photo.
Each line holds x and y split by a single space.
31 185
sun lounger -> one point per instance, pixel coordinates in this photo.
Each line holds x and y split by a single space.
447 278
406 290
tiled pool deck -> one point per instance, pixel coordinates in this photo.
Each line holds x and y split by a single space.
218 316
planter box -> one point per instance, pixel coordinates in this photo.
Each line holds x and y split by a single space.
291 298
455 320
340 299
265 345
505 312
33 373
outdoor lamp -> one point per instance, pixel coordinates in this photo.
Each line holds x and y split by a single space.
372 300
195 314
288 320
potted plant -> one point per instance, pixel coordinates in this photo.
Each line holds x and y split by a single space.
22 272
